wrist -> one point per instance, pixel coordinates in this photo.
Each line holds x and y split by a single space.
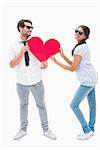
62 54
21 54
55 61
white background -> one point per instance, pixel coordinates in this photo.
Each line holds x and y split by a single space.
51 19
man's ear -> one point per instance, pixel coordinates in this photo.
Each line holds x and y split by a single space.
20 28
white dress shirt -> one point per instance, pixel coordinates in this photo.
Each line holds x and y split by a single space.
26 75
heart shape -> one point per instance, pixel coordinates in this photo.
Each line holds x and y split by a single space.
41 50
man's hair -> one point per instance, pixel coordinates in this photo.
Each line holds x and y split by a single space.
21 23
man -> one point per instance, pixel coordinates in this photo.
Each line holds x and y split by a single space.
28 79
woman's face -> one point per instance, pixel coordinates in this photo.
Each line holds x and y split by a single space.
79 34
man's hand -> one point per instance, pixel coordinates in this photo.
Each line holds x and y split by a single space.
44 64
24 49
18 58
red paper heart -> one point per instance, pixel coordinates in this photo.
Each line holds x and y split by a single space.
43 51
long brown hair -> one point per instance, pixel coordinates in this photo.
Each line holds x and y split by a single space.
87 32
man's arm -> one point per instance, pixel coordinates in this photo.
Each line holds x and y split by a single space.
18 58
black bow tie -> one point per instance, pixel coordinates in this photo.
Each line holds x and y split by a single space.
27 59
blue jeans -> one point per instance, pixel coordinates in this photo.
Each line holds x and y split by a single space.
82 92
38 93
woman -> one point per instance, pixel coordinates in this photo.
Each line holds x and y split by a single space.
88 78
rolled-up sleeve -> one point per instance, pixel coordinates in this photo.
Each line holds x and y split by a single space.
12 54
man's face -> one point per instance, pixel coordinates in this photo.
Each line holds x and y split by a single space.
26 30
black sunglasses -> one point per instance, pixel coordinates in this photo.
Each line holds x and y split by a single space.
28 27
79 32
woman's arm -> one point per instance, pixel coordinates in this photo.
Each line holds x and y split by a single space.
72 67
64 57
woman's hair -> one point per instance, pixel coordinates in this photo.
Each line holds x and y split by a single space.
86 32
21 23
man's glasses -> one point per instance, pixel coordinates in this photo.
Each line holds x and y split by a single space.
79 32
28 27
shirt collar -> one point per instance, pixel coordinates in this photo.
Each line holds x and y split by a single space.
21 41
